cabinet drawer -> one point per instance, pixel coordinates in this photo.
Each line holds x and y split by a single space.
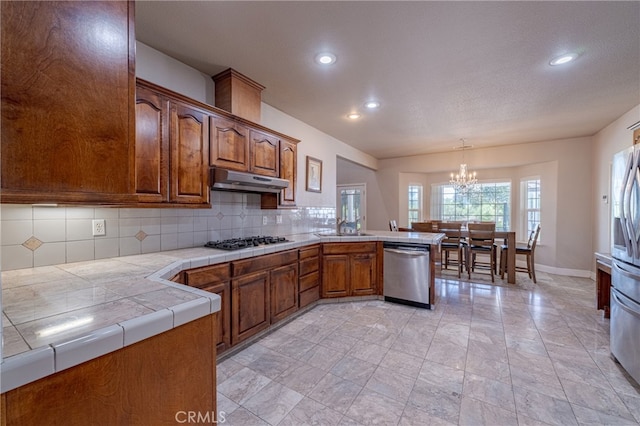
309 265
207 275
308 281
260 263
345 248
309 296
308 252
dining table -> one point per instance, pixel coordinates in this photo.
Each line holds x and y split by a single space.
509 238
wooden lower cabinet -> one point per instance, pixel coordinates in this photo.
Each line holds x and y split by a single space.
603 286
363 270
260 291
250 305
148 383
214 279
309 272
264 291
223 335
351 269
335 275
284 292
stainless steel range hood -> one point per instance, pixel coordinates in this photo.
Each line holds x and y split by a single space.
229 180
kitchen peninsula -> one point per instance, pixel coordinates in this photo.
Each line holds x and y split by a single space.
132 303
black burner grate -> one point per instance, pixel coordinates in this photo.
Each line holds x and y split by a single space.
240 243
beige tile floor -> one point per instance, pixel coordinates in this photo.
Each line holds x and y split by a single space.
488 354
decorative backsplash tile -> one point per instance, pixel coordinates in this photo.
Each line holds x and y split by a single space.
38 236
32 243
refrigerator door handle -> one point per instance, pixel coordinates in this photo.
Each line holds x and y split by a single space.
633 179
625 303
625 199
630 273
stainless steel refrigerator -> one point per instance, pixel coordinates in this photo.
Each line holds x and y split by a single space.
625 251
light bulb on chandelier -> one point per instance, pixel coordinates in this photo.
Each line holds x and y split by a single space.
464 180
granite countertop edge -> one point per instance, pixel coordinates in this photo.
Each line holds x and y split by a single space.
28 366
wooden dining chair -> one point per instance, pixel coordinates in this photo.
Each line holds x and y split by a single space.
481 241
452 244
529 252
424 226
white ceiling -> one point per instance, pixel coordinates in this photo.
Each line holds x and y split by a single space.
442 70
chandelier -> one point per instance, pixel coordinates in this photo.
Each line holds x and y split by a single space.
464 180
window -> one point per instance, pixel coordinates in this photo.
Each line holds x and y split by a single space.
415 203
488 202
530 204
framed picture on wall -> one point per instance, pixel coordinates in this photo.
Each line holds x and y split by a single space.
314 174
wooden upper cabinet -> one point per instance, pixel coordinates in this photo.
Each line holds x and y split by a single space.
171 149
229 144
288 169
151 146
67 102
189 151
264 152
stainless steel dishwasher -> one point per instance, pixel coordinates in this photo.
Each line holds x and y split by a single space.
407 274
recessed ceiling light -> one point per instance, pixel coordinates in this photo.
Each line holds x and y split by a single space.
354 116
325 58
372 104
563 59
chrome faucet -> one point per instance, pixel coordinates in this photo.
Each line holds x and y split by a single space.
339 224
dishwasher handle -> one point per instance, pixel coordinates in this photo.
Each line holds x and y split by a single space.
414 253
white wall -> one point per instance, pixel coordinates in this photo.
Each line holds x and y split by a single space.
565 169
610 140
163 70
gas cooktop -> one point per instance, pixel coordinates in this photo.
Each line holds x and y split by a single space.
246 242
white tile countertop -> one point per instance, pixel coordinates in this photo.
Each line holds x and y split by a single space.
56 317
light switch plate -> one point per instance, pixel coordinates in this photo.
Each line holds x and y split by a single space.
264 220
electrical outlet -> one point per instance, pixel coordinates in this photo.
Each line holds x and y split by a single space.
264 220
279 218
99 227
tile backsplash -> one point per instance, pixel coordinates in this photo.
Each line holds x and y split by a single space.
37 235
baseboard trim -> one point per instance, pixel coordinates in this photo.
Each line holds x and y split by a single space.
565 271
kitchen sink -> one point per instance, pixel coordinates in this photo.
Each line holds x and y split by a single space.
336 234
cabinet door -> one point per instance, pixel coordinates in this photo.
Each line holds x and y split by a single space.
363 273
67 102
264 154
223 335
284 292
189 151
152 146
335 275
229 144
250 306
288 168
